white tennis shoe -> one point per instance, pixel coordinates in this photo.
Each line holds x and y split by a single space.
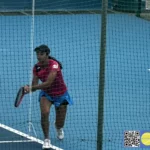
46 144
60 133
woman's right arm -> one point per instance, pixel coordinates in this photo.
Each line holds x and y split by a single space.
35 81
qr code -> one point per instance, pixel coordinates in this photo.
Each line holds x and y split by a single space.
132 139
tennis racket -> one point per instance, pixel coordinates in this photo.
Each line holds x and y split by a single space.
19 97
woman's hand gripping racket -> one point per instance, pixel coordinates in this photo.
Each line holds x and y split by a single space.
19 97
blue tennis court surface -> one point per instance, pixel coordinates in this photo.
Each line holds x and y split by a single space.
15 139
75 41
18 141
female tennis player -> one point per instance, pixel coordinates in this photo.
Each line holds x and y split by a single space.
53 91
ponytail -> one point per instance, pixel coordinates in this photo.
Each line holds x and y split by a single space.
53 58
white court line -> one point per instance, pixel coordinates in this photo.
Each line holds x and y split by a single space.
19 141
31 138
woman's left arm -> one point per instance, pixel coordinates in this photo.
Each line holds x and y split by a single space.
47 83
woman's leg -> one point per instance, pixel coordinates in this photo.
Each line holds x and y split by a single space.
45 110
60 116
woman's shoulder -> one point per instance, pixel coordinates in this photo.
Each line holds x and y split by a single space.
53 64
